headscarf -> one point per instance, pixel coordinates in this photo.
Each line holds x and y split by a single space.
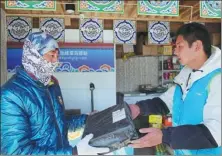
35 46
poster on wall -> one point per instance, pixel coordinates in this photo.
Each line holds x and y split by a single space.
158 8
107 6
158 32
49 5
124 32
18 28
53 26
91 31
72 59
210 9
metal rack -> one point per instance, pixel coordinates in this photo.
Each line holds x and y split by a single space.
162 70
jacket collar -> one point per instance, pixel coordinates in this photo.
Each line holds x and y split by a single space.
29 77
213 63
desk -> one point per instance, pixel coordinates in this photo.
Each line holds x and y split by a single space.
134 97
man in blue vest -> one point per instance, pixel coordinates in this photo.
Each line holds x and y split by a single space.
194 100
32 108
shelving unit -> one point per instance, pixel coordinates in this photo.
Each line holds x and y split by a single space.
166 76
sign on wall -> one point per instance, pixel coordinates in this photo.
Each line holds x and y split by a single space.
124 32
161 8
210 9
111 6
158 32
49 5
72 59
86 60
91 30
18 28
53 26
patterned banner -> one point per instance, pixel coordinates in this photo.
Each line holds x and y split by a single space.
111 6
18 28
124 32
91 30
49 5
53 26
161 8
72 59
210 9
158 32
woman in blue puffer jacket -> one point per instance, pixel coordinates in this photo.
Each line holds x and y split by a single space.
32 109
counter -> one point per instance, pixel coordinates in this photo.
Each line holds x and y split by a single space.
134 97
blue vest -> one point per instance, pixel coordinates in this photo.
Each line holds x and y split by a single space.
190 110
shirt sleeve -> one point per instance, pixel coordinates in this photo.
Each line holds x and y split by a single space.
212 109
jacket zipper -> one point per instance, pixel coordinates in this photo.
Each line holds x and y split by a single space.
182 107
56 123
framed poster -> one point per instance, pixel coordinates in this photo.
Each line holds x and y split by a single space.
210 9
18 28
106 6
91 31
158 32
48 5
158 8
54 27
124 32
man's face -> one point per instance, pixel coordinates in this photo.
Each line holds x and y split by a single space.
184 53
51 56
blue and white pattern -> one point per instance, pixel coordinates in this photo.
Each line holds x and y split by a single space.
22 4
33 60
43 4
54 27
18 28
216 5
124 32
160 4
210 8
91 30
159 32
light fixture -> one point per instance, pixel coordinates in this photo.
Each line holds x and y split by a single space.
70 8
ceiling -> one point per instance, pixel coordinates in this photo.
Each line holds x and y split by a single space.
189 11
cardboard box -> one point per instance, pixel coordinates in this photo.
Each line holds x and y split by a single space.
149 50
128 48
119 51
165 50
119 55
216 39
139 45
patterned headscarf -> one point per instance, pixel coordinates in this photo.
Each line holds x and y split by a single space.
35 46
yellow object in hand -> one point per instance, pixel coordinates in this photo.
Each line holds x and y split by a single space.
155 119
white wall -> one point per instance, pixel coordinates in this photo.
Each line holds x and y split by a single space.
75 86
76 92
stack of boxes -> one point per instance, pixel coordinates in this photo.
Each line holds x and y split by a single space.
216 39
145 49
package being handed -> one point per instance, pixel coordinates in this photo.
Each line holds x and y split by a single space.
112 127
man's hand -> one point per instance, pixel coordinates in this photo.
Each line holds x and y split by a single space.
83 147
152 138
135 110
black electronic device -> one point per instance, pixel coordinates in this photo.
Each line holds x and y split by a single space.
112 127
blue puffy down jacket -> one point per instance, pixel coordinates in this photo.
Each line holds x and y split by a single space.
32 117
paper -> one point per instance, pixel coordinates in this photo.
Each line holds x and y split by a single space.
119 115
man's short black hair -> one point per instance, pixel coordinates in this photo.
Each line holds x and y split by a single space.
192 32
